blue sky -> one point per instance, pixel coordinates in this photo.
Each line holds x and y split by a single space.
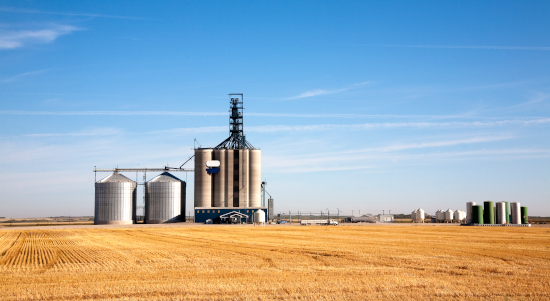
356 105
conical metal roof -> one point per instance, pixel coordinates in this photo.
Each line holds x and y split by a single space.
165 177
115 177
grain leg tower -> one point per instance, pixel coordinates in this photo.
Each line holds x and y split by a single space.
228 176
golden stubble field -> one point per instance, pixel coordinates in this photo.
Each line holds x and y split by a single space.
276 262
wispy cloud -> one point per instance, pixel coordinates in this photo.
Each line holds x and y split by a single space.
390 125
252 114
92 132
319 92
11 39
380 157
471 47
321 127
115 113
21 75
31 11
422 145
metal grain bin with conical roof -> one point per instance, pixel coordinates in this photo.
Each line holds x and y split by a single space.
115 200
164 199
449 214
420 215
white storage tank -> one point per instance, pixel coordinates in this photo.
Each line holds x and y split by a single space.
259 216
164 198
449 215
515 212
115 200
469 212
459 216
420 215
501 213
413 216
440 216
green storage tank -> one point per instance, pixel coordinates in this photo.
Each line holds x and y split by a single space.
507 212
495 215
477 214
524 216
489 212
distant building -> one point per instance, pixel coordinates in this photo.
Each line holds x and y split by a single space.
386 218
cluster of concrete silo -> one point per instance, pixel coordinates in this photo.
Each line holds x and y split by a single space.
235 184
115 199
501 213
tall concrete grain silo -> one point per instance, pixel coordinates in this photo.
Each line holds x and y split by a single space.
115 200
164 199
203 181
255 178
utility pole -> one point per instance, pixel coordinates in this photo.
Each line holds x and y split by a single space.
338 218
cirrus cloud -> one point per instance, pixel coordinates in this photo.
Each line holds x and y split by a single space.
11 39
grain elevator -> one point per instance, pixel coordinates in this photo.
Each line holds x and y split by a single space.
228 176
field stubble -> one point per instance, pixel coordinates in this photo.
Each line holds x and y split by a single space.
260 263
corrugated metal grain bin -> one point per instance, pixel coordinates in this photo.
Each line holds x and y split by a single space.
115 200
164 199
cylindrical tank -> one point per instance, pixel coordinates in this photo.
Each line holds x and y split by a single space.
420 215
115 200
229 177
243 178
440 216
259 216
488 212
163 198
477 214
255 169
413 216
501 213
507 212
219 179
449 215
203 181
460 216
515 213
469 212
524 216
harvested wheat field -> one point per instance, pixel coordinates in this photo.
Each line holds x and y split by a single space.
276 262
